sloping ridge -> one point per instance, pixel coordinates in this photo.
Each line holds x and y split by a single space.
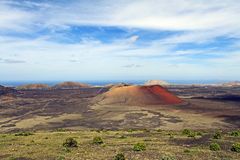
70 85
138 95
34 86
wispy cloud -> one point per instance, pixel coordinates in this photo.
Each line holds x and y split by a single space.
132 66
11 61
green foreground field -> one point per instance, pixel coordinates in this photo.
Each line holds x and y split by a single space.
156 145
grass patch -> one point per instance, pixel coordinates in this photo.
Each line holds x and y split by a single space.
97 140
139 147
70 142
24 134
214 147
119 156
217 135
236 147
235 133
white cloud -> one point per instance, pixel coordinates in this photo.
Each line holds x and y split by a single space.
186 15
199 22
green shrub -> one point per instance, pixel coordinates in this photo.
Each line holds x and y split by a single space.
236 147
214 147
171 135
139 147
119 156
23 134
235 133
189 133
186 131
217 135
199 133
168 158
192 134
67 150
97 140
70 142
61 158
61 130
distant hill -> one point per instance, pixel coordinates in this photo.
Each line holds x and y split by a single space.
116 85
231 84
138 95
70 85
34 86
156 82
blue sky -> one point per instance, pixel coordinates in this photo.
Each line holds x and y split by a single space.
128 40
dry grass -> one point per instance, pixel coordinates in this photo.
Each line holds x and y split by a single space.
48 145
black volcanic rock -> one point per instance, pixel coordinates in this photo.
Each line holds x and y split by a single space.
7 90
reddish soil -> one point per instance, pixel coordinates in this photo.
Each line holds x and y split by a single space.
139 95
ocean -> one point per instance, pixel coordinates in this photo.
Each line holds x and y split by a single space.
105 82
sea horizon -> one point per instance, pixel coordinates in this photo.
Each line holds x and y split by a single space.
105 82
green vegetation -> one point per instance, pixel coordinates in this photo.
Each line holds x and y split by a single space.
236 147
235 133
153 144
139 147
217 135
168 158
23 134
191 133
186 131
70 142
97 140
119 156
214 147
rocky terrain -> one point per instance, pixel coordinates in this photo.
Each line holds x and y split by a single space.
7 91
121 107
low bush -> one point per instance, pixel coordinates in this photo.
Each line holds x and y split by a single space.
186 131
171 135
119 156
189 133
61 130
236 147
23 134
168 158
192 134
61 158
139 147
97 140
217 135
214 147
235 133
199 133
70 142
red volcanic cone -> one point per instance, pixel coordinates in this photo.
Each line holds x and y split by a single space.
139 95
